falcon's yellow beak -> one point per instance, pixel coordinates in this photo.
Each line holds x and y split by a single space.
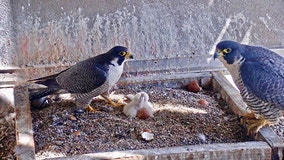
128 55
217 53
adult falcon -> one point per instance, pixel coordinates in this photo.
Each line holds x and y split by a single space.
259 75
87 79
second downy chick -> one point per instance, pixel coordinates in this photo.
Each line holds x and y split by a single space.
139 101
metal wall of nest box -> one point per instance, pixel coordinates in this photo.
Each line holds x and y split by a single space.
169 39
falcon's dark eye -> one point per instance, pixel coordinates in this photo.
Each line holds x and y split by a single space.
122 53
227 50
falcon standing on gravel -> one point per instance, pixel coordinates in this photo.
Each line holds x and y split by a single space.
87 79
259 75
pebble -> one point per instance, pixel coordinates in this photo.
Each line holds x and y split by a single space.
72 118
194 87
77 133
203 102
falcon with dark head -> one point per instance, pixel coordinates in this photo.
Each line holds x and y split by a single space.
259 75
87 79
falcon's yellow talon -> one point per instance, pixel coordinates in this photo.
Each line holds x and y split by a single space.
91 109
257 125
248 118
121 101
254 124
118 104
114 104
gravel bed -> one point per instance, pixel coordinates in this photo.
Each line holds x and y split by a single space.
179 119
7 139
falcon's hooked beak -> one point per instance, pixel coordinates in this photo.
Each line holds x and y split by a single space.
128 55
217 53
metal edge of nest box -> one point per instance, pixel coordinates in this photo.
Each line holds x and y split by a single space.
270 148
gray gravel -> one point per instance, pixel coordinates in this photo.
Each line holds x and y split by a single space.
178 120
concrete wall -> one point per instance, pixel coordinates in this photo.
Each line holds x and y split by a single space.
7 54
164 35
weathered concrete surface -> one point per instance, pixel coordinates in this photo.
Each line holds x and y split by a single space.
165 36
7 56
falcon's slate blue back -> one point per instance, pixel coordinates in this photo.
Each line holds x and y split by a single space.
264 74
259 75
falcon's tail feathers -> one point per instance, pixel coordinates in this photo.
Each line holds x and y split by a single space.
49 81
43 79
42 93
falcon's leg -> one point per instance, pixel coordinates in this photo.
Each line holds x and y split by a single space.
91 109
254 124
84 104
255 127
247 117
118 104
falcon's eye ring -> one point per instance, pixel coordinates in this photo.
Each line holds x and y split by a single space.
227 50
122 53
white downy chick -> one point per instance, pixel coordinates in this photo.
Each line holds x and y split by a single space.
131 108
139 101
144 103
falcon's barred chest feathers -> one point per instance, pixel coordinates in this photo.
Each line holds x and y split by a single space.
259 75
89 78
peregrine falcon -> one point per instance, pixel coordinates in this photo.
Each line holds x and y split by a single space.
87 79
259 75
